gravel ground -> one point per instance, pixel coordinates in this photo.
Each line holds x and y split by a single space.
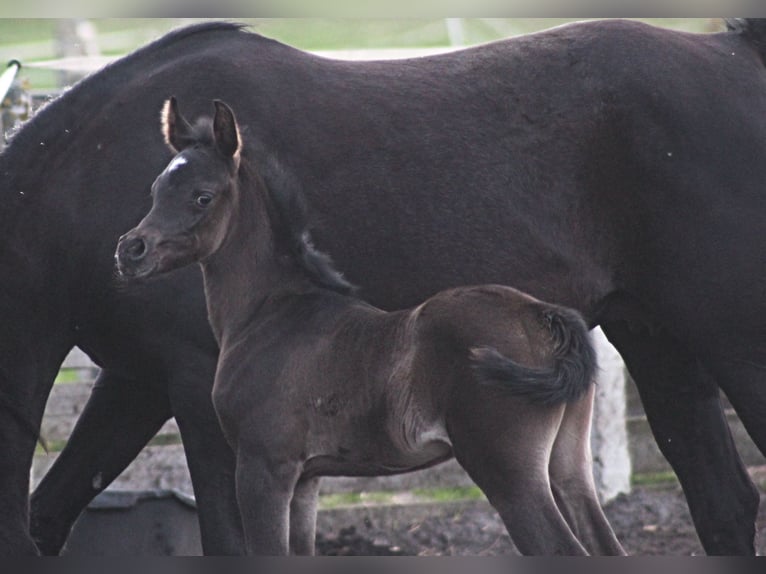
651 520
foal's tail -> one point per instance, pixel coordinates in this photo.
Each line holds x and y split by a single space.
566 380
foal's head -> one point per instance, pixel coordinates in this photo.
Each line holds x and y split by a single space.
200 195
194 199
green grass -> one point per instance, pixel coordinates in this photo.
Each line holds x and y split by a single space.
340 500
654 479
420 495
344 499
49 446
165 440
68 376
23 30
450 494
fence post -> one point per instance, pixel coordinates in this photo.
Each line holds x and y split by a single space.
74 37
15 101
609 435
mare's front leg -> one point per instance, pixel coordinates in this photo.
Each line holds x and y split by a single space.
29 361
120 417
571 472
682 405
18 436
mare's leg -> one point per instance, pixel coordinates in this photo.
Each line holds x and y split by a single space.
209 456
303 517
28 366
15 461
744 382
120 417
504 444
17 445
684 411
571 472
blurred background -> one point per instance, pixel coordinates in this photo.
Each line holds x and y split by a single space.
36 43
55 53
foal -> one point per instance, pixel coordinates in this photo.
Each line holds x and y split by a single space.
312 381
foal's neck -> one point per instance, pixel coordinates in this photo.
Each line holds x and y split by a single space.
247 269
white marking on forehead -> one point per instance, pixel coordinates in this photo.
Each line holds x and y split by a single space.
176 163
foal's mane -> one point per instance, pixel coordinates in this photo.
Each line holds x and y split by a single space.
288 215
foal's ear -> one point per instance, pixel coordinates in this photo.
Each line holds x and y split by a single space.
175 128
226 132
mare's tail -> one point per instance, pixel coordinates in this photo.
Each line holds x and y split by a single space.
566 380
751 30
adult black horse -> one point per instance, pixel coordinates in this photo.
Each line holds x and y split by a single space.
611 166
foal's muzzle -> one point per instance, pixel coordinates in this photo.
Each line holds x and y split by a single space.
131 254
134 249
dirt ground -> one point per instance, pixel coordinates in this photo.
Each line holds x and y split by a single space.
651 520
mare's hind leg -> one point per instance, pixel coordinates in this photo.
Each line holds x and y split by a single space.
303 517
504 444
210 459
119 418
744 382
571 472
684 411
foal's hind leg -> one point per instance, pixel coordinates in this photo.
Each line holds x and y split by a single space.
504 444
571 472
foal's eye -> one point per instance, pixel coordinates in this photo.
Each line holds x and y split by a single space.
204 199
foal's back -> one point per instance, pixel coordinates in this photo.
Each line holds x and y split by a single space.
495 316
425 348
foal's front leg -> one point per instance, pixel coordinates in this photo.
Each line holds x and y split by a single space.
303 517
264 491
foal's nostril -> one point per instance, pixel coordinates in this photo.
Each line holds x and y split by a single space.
135 249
